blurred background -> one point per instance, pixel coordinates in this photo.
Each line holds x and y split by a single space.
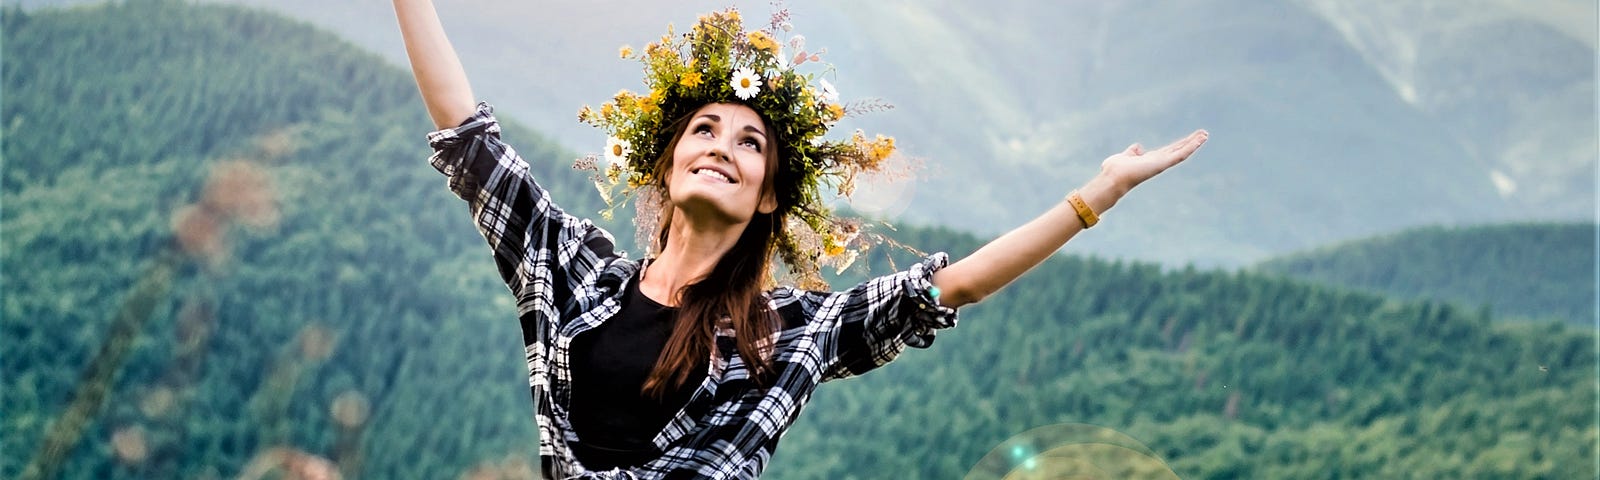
223 254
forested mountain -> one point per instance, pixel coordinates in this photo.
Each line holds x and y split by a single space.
1534 270
121 122
223 221
1222 375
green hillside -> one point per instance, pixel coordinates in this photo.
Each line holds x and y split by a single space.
364 284
1223 375
114 117
1530 270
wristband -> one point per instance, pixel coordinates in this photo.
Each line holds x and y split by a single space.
1085 213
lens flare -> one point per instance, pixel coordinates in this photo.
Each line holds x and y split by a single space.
1070 451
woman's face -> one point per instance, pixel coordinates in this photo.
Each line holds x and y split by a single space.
719 166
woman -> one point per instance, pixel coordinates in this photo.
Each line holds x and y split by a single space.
685 365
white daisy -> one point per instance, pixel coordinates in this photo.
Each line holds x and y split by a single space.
746 84
829 94
617 151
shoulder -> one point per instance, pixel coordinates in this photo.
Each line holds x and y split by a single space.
615 272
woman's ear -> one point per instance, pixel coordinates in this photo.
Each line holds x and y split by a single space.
769 202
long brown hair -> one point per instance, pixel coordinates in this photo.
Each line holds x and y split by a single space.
732 290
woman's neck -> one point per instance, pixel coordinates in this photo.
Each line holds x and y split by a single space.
691 251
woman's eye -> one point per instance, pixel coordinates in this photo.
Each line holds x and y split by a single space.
702 129
752 143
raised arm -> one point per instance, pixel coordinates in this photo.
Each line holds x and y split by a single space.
433 61
1005 258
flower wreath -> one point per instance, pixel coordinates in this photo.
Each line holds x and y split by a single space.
720 62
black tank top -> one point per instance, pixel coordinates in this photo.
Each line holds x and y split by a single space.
614 420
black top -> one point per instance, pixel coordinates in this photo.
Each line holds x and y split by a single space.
614 420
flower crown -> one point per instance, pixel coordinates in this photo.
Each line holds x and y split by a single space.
720 62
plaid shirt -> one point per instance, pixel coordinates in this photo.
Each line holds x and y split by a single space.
567 279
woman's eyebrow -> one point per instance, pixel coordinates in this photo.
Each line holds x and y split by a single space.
748 128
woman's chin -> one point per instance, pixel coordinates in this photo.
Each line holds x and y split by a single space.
700 208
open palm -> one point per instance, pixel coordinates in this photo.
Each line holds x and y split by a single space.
1135 164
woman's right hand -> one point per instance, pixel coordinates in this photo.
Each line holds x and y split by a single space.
444 86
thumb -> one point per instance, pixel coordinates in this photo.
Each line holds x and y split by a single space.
1134 150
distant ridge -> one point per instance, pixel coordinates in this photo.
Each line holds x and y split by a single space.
1014 102
1520 270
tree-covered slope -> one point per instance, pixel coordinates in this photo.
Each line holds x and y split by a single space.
114 118
1223 375
360 320
1529 270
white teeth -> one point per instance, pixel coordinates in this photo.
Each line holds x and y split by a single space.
713 174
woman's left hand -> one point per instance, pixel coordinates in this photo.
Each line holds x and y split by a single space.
1000 261
1133 166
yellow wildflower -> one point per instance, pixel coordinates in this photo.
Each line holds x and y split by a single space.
759 40
625 51
648 103
833 249
690 80
608 109
585 113
661 52
835 112
833 244
882 148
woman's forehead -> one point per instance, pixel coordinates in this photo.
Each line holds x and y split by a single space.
730 112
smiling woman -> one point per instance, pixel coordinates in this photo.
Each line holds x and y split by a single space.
721 169
692 362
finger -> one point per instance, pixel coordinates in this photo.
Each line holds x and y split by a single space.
1180 143
1134 150
1186 146
1196 140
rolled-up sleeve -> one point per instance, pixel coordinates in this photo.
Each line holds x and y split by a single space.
539 249
867 326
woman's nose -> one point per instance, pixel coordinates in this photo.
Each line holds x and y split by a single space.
719 149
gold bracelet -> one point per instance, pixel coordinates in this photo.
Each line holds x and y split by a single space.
1085 213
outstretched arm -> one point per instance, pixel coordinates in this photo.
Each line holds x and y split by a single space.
1009 256
433 61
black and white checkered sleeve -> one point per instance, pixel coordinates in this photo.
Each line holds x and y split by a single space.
876 320
540 250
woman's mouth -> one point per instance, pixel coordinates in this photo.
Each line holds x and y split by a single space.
710 173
